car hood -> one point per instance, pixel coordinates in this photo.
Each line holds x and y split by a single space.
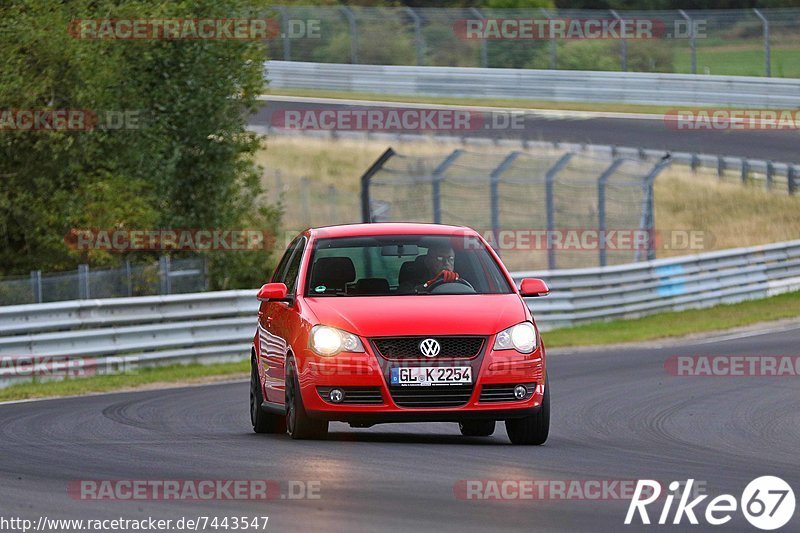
382 316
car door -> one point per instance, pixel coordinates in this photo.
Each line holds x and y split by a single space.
277 321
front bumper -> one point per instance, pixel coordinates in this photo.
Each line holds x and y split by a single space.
370 370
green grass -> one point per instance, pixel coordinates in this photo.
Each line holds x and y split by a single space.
735 62
143 377
677 324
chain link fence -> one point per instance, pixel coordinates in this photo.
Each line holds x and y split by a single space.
167 276
552 209
747 42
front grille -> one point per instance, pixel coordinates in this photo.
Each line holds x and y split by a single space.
354 395
395 348
432 396
504 393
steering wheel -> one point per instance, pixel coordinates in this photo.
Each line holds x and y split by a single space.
439 282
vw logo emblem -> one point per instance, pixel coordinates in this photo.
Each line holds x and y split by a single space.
430 347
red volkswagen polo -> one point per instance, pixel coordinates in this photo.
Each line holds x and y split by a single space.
372 323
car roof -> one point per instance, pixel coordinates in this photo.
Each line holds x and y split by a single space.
388 228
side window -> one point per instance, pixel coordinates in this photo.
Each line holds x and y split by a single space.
293 270
279 275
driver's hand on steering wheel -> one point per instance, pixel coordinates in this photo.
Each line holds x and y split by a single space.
447 276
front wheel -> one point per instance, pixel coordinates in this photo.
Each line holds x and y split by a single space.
262 422
477 428
532 429
298 424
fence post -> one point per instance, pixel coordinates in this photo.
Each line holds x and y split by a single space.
720 167
623 46
163 274
436 184
692 39
790 177
745 170
601 205
548 180
287 45
648 222
419 42
770 174
83 282
767 51
129 276
351 19
332 202
366 215
494 195
36 285
553 44
304 201
484 42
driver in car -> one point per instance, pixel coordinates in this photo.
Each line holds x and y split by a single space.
437 265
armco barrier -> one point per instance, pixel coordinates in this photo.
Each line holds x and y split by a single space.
218 326
543 85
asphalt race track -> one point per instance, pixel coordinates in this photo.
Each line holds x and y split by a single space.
653 133
617 415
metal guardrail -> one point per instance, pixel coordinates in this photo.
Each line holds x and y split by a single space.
218 326
544 85
639 289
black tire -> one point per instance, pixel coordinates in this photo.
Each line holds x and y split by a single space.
298 425
477 428
262 422
532 429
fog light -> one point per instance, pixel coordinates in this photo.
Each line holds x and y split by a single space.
337 395
520 391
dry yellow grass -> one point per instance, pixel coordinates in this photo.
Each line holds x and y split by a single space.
726 214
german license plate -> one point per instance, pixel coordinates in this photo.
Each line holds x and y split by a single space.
431 376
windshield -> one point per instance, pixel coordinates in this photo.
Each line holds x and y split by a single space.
403 265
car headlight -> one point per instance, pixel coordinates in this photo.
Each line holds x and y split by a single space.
521 337
328 341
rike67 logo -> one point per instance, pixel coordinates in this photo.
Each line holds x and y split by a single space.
767 503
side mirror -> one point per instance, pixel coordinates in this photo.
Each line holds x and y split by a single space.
273 292
533 287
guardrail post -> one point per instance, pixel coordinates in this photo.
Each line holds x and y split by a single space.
549 179
623 46
287 45
436 184
484 44
494 195
767 58
745 170
770 174
351 19
419 40
36 286
692 39
366 214
601 205
720 167
790 177
163 274
83 282
695 162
